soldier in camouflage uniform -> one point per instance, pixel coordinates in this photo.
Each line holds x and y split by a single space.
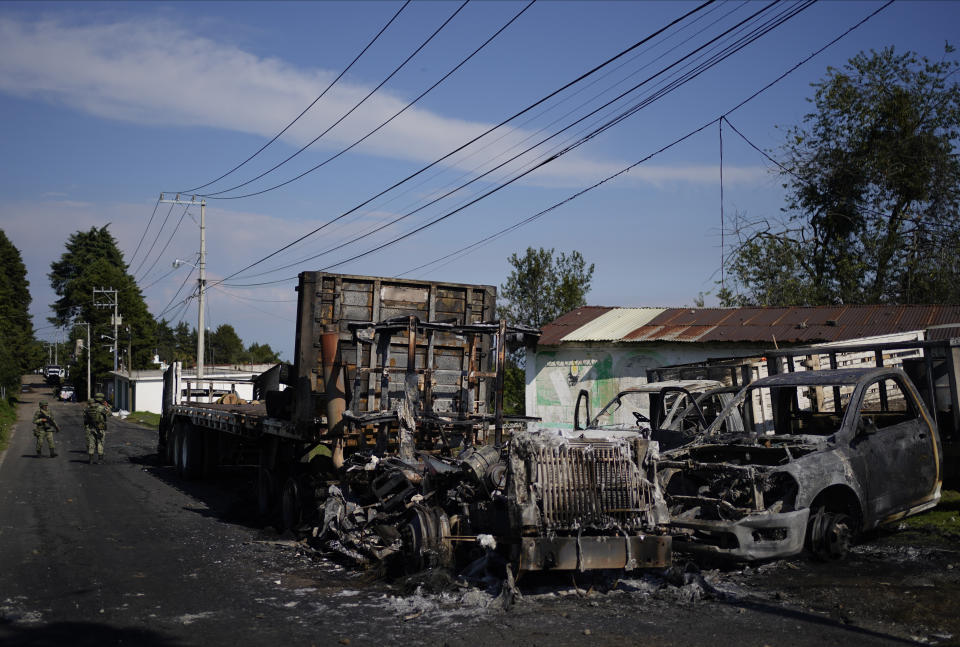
43 428
95 424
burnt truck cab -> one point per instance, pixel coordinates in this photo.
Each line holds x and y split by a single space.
821 457
585 499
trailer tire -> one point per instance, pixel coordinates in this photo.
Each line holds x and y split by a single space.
176 446
291 505
191 452
211 452
265 493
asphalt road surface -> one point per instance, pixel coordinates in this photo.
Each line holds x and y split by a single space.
125 553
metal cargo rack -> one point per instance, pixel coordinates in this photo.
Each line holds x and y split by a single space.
428 384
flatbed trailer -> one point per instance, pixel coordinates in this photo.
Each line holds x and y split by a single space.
297 417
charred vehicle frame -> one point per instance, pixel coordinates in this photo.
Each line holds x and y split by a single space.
840 452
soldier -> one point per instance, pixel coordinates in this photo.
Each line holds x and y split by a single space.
95 424
43 427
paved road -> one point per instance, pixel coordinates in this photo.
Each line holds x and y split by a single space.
125 553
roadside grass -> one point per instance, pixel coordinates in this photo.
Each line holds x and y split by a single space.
943 520
8 416
145 418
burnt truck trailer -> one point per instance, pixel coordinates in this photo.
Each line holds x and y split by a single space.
386 440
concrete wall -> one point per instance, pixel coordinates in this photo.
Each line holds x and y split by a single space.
556 374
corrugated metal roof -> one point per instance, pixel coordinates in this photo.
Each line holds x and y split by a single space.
613 325
788 325
567 323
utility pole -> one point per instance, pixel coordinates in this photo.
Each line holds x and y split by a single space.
108 292
129 369
202 266
87 324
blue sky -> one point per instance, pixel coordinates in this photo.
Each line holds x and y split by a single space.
105 105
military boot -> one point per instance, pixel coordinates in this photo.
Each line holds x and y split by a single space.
39 452
53 454
90 458
100 458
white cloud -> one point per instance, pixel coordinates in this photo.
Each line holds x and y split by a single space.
41 229
157 73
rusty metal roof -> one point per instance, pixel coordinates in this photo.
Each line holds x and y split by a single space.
789 325
613 325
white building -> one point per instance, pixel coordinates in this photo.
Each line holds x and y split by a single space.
605 350
143 390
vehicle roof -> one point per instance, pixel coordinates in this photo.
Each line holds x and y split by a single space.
689 385
829 376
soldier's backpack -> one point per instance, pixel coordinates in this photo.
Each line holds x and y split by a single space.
94 416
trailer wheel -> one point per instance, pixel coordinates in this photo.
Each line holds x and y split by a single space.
191 452
291 505
211 452
176 447
265 493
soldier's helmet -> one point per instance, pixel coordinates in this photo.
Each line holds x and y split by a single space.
99 397
43 403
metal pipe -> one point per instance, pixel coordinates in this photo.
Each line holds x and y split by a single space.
334 391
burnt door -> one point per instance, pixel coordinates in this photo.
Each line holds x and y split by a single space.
898 447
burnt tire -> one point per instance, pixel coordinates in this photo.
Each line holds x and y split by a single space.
829 534
291 505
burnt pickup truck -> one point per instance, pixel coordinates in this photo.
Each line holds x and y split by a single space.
672 412
810 458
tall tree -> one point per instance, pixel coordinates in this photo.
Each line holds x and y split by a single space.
873 181
225 345
17 354
540 288
93 260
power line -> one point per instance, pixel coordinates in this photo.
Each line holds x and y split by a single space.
465 145
528 137
156 238
146 229
336 123
166 308
249 303
685 78
167 244
668 146
312 103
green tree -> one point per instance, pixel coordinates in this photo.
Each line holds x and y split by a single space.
17 350
93 260
225 345
873 182
261 354
540 288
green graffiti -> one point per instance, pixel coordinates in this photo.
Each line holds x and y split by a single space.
546 395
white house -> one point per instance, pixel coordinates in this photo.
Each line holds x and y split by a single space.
143 390
605 350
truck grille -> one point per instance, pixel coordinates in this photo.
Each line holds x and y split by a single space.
595 484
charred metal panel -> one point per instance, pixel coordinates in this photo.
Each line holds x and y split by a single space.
340 299
588 553
594 484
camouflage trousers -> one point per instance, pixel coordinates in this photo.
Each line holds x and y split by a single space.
95 440
44 435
